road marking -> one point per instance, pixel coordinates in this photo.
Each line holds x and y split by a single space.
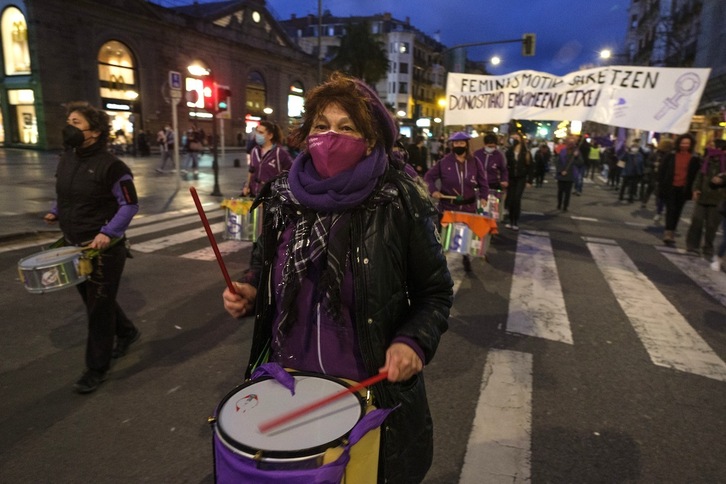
143 219
499 448
225 248
599 240
175 239
668 338
536 303
584 219
169 224
713 282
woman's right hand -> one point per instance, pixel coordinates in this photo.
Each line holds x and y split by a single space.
242 301
436 195
245 191
50 218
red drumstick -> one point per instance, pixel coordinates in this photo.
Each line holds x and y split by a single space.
277 421
210 236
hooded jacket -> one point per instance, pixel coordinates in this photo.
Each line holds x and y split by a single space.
402 288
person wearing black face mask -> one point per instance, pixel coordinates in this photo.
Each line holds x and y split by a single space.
96 200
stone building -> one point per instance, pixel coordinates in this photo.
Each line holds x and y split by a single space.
416 78
118 54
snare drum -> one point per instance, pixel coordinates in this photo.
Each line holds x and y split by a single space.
242 451
240 222
459 238
51 270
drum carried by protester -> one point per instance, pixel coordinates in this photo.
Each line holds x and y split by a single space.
54 269
467 233
240 221
317 444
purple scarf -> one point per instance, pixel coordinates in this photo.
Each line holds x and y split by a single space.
346 190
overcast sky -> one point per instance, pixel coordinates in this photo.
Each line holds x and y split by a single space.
570 33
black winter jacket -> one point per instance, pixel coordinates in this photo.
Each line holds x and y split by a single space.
402 288
667 170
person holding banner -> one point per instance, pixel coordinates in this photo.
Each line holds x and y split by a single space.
521 173
675 179
349 278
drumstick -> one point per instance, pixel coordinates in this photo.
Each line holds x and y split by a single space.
210 236
450 197
277 421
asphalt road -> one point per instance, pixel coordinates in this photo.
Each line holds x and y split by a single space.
594 409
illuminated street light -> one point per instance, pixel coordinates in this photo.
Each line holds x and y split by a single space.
197 70
495 61
267 110
606 54
401 114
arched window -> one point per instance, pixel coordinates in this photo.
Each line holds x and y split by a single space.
256 93
295 100
116 72
15 42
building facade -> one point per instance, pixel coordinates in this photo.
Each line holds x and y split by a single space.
118 55
414 86
684 33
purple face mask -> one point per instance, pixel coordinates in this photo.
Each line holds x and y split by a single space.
333 153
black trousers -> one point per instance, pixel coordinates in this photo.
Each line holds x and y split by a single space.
564 190
106 319
674 206
515 191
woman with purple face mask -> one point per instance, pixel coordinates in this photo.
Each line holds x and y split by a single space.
349 278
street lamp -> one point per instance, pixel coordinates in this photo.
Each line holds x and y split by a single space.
606 54
495 60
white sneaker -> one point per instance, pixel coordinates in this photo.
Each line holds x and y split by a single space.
509 226
716 264
515 227
656 219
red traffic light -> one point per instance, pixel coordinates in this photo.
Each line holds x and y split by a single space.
209 93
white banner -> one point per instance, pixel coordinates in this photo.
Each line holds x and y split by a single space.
661 99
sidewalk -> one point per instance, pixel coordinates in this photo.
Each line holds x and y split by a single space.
27 187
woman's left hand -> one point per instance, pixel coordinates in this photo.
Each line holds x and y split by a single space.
100 242
402 362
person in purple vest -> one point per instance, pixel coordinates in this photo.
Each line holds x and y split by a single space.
268 158
494 163
96 200
349 278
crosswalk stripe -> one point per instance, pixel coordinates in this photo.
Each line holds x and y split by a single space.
536 302
225 248
713 282
169 224
174 239
499 448
148 219
668 338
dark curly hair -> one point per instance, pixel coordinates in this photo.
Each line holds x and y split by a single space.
343 91
98 120
685 136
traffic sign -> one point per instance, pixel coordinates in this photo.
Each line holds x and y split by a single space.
175 80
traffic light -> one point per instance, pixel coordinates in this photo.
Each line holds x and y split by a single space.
222 99
528 45
209 93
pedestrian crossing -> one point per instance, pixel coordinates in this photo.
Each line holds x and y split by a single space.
499 444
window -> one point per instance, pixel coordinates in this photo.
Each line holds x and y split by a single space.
15 42
116 72
403 47
403 68
295 100
24 123
256 93
403 88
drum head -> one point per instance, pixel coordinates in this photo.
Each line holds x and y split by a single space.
253 403
49 258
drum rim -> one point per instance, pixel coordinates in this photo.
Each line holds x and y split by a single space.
62 259
276 455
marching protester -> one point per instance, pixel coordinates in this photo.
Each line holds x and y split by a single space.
268 158
494 163
521 169
542 158
706 217
631 172
718 182
568 158
675 178
457 180
96 200
348 278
